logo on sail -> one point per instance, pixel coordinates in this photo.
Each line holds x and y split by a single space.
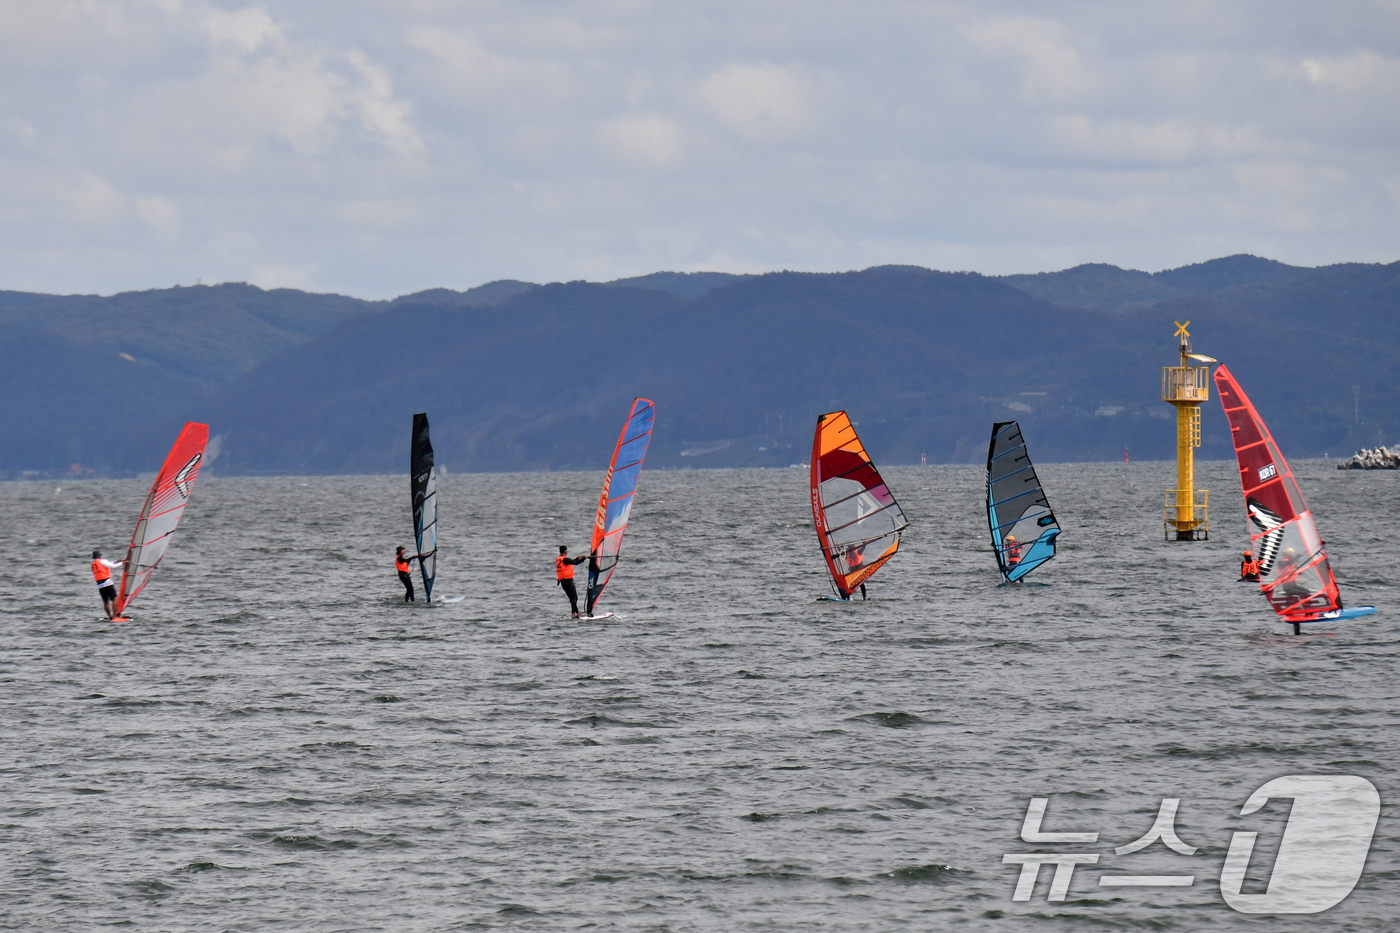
186 475
1267 521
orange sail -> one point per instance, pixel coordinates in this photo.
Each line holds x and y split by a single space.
858 522
164 505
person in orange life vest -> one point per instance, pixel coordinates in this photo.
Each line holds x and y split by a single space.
1249 568
406 578
102 573
564 576
1013 551
854 558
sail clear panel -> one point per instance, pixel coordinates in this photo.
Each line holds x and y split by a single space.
1023 526
165 504
857 519
1294 575
423 486
615 504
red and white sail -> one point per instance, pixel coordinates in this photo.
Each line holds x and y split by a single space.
1293 570
165 503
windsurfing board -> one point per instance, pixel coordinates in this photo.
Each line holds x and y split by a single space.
831 599
1341 615
455 599
606 615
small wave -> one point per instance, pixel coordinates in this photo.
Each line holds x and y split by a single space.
596 720
925 874
895 720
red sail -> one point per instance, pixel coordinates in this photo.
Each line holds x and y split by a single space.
1293 569
164 505
858 522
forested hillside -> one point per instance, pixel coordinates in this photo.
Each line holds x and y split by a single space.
516 376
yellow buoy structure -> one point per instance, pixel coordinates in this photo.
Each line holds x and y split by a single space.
1186 386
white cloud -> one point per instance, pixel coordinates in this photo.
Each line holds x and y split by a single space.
160 213
92 199
647 139
764 102
245 29
1039 51
379 147
1353 72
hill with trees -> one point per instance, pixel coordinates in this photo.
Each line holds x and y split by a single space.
517 376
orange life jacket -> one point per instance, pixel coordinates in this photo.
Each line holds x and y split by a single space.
100 571
563 568
1249 568
400 564
853 559
1013 553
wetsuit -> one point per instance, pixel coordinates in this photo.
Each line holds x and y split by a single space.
406 578
564 576
102 573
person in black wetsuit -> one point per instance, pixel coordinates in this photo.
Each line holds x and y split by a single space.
401 565
564 576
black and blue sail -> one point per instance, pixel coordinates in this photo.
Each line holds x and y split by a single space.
1022 524
423 481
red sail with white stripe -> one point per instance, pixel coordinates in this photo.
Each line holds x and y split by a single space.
165 503
1293 570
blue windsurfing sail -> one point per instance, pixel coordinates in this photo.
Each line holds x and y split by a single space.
1023 526
615 504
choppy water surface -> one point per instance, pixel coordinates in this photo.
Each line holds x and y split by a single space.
276 741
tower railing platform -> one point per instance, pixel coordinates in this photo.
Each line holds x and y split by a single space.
1185 383
1187 518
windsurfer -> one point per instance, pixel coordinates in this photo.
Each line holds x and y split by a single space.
1013 551
1249 568
854 558
102 573
401 565
564 576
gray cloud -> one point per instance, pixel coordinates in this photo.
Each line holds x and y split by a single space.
380 147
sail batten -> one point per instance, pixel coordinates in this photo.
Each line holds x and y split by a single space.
852 508
162 511
619 493
1008 484
423 490
1294 573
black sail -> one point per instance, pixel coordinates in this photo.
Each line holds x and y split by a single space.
423 480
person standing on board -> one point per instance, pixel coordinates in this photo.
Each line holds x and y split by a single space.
406 578
854 558
1249 568
102 573
564 576
1013 551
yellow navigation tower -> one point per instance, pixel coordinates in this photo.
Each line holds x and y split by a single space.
1186 387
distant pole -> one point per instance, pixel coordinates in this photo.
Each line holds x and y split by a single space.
1356 398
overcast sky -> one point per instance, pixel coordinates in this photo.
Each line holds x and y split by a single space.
378 147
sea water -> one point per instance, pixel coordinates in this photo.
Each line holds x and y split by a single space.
275 740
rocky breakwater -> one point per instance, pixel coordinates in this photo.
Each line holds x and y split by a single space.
1379 459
